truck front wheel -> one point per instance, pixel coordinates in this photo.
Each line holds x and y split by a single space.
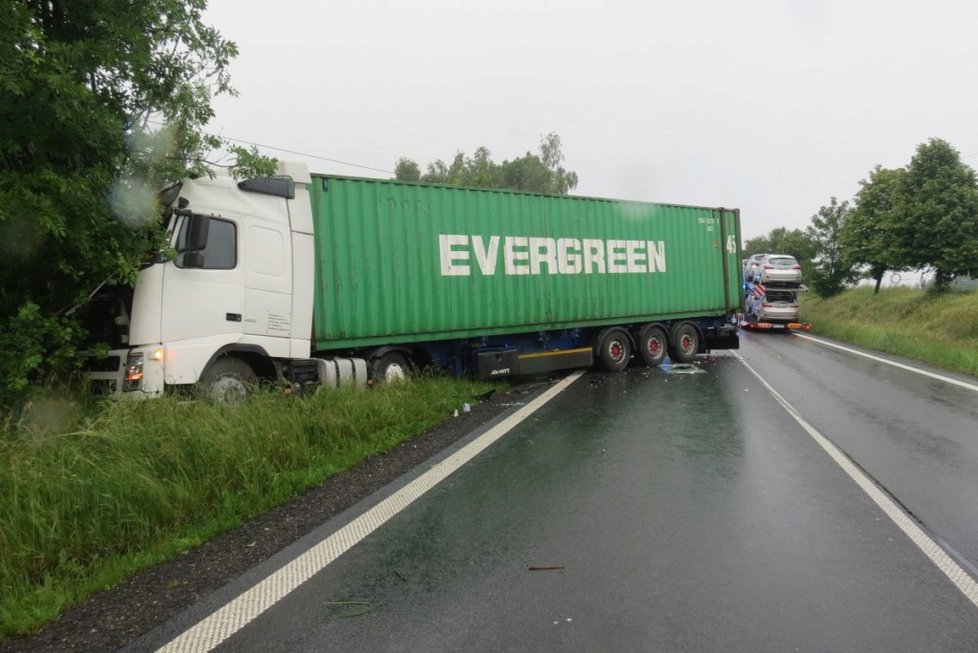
227 381
390 368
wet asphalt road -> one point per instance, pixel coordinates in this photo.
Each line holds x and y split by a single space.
674 511
916 436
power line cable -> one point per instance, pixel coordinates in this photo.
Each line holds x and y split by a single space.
311 156
282 149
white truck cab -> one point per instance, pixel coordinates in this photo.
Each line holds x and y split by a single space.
239 288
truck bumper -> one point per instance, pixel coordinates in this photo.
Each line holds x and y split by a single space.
128 373
725 337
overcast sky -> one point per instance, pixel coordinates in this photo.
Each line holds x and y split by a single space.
769 106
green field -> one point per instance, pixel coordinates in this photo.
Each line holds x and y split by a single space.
89 495
937 328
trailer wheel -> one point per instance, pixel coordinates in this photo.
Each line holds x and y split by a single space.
685 343
227 381
389 368
653 344
614 350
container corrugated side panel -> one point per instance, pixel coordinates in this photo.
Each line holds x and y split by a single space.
379 275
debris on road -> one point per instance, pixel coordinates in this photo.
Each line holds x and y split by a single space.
349 609
684 368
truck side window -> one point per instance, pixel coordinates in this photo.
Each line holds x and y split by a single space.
221 251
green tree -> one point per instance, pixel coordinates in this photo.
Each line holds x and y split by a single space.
538 173
100 103
758 245
527 173
831 272
937 214
437 172
560 181
781 240
867 235
440 173
480 171
407 170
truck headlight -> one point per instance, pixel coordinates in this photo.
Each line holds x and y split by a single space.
134 372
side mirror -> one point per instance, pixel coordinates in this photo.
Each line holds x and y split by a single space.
193 241
197 228
193 260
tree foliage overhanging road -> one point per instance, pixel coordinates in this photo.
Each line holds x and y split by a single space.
923 216
101 103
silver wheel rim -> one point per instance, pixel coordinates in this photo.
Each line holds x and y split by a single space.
228 390
394 372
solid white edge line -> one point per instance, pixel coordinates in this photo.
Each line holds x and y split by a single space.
946 379
236 614
957 575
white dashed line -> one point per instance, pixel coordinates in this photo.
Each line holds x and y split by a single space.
235 615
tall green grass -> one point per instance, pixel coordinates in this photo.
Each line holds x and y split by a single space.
937 328
89 496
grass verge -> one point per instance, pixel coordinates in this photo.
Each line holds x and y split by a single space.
87 497
937 328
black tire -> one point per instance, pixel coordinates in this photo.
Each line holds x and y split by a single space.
228 381
614 350
685 342
392 367
653 343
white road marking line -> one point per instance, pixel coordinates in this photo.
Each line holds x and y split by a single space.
957 575
946 379
235 615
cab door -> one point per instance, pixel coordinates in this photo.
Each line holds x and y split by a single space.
268 285
203 294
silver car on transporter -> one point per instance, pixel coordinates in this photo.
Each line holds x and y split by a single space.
773 305
750 266
777 268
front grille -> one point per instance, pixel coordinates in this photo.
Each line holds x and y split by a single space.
102 387
107 364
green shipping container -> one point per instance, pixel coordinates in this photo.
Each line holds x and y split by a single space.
400 262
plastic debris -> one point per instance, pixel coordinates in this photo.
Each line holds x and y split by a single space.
685 368
347 609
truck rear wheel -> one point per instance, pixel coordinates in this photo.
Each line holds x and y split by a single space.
614 350
227 381
685 343
653 344
392 367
